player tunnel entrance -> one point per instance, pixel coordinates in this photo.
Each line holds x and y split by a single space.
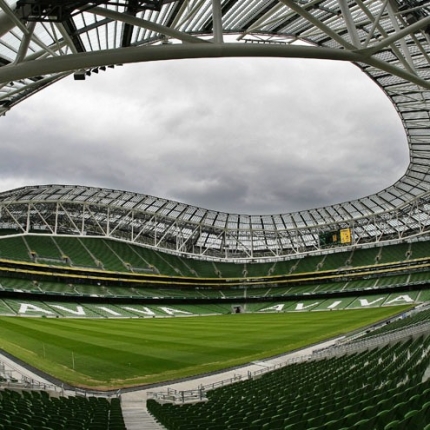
237 309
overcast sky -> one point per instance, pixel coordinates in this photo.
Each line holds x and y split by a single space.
252 136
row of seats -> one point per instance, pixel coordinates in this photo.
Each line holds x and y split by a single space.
401 323
36 410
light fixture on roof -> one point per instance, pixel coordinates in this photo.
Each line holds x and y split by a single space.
79 75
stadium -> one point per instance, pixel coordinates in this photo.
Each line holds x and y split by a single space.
121 310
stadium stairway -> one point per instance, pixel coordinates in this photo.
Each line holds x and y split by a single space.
135 414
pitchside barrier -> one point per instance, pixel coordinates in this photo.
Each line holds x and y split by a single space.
13 377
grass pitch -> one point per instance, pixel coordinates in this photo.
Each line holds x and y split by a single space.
108 354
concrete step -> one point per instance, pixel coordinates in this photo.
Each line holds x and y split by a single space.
137 417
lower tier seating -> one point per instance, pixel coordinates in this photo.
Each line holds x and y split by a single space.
36 410
381 388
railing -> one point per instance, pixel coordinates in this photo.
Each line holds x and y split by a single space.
12 376
380 340
8 381
180 397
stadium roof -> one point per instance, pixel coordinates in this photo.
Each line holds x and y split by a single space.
42 41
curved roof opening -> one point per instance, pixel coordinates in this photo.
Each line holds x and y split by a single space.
237 135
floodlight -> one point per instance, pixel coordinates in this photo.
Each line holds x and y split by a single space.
79 76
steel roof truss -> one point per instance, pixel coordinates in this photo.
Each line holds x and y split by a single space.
240 245
70 218
195 233
94 217
40 216
17 223
25 42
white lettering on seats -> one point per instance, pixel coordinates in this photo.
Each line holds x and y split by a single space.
144 311
404 298
276 308
365 302
79 310
301 306
334 304
171 311
109 311
27 307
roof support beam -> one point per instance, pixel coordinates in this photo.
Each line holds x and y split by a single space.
69 32
6 22
375 20
217 21
171 52
316 23
10 13
352 30
398 35
23 48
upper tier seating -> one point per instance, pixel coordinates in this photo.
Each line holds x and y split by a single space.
110 255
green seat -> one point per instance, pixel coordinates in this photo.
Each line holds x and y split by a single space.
426 406
400 410
411 413
416 419
351 419
332 425
316 422
25 426
415 401
383 418
364 424
393 425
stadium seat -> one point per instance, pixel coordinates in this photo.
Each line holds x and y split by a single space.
392 425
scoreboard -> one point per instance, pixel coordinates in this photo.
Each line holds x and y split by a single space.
336 237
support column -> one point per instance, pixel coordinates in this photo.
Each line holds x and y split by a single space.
25 42
217 21
350 25
6 24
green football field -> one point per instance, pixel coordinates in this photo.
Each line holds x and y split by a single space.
112 353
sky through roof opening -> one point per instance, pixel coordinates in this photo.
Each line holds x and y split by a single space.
254 136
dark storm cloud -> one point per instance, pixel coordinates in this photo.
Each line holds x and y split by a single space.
260 136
